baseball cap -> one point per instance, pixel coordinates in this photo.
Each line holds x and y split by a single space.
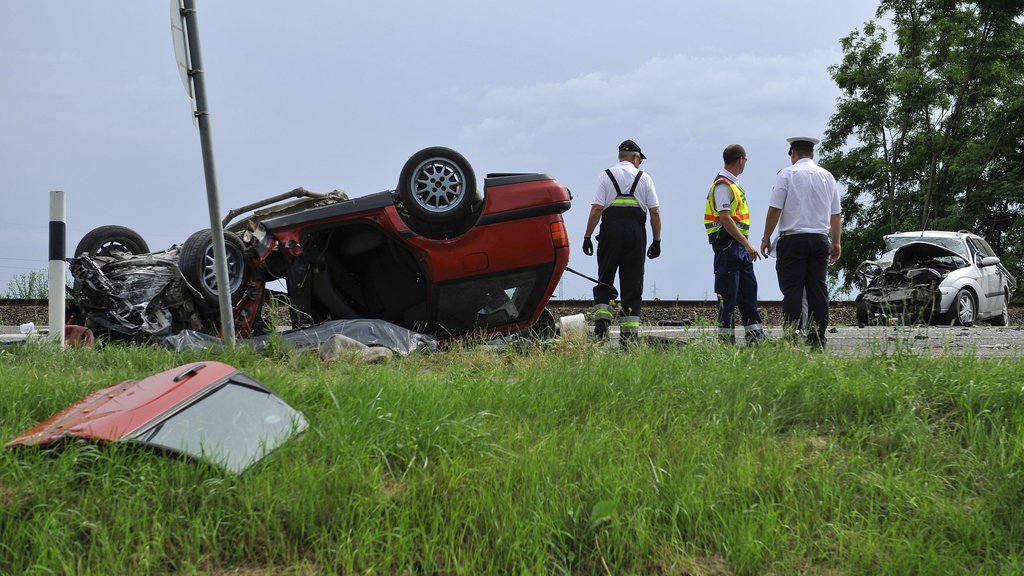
630 146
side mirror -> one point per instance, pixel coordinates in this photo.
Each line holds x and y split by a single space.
989 261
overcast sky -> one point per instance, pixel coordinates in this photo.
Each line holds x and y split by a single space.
337 95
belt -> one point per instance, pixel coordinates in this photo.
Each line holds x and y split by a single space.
794 232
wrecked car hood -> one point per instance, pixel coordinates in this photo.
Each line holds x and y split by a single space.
917 251
910 273
206 410
904 263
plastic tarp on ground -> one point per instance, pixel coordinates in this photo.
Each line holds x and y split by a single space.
367 331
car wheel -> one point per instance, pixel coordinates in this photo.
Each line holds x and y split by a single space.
437 185
1003 318
106 240
198 265
862 311
963 311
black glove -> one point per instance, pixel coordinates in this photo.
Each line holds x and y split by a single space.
588 246
655 250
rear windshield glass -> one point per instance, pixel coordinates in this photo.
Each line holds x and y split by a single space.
484 302
234 427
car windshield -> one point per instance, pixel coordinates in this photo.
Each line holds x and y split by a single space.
234 427
954 244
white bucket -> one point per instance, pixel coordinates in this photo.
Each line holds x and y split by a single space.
573 327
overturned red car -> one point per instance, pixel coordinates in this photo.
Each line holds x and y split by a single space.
438 255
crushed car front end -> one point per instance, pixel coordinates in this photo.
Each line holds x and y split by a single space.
919 284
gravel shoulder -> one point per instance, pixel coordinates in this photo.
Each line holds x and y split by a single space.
701 313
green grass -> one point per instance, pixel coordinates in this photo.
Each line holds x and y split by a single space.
564 460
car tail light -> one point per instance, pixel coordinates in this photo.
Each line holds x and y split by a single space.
558 235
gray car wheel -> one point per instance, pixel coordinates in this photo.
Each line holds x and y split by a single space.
1003 318
963 311
438 185
198 266
106 240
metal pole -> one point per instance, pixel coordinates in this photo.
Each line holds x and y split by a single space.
56 277
227 321
594 280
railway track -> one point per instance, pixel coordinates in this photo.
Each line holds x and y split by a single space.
14 311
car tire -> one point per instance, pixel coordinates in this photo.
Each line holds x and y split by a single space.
861 311
105 240
438 186
198 267
1003 318
964 310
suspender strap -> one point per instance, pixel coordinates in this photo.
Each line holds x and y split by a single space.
618 191
632 189
636 181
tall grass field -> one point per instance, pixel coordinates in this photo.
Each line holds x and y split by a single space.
557 459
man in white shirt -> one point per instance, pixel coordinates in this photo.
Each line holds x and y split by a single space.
805 206
624 197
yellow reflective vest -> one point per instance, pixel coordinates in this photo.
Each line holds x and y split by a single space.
738 210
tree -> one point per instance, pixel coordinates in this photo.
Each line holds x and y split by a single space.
928 132
28 285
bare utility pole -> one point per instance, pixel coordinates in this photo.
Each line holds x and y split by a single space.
185 34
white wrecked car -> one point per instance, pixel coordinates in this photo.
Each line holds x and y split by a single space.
934 277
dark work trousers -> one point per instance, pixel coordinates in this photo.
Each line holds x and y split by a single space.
621 246
734 283
802 265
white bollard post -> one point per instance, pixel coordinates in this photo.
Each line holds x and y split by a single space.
56 278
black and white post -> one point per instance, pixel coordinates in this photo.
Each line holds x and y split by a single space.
56 279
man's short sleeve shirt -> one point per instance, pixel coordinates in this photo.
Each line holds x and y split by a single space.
723 193
806 193
624 174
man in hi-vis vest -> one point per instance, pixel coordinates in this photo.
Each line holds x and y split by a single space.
624 197
727 222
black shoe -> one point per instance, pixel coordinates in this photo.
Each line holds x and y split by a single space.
629 341
817 343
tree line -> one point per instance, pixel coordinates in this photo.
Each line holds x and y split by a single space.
928 133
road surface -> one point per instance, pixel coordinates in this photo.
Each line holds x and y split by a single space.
981 341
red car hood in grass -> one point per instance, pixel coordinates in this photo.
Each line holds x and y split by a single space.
116 411
206 410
